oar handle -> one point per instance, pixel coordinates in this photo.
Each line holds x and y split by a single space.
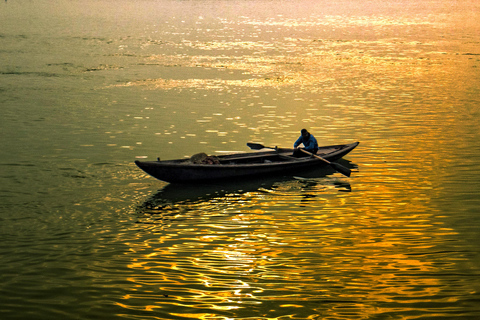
318 157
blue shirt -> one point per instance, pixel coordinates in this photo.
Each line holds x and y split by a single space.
309 143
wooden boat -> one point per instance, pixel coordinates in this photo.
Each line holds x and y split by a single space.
242 165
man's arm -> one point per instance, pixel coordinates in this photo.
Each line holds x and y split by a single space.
297 143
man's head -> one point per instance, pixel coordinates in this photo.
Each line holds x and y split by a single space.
305 133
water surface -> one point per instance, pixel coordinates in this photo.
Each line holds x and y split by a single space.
88 87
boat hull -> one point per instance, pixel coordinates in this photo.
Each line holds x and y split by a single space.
255 164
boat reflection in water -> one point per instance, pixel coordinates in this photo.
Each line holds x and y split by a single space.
176 199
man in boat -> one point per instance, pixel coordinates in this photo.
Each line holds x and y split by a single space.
309 142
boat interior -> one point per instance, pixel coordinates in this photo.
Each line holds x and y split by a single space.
281 155
260 158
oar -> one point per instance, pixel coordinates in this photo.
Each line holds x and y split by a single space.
338 167
258 146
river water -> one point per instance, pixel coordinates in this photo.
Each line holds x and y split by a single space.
87 87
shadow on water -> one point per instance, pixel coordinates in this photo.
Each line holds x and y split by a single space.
174 200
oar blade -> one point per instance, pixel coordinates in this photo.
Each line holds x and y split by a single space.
343 170
255 146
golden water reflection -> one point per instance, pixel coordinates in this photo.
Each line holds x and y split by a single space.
397 240
310 63
301 246
379 244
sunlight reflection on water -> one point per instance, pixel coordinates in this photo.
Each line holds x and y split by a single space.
300 253
85 234
300 249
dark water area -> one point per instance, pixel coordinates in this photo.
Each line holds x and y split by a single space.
88 87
